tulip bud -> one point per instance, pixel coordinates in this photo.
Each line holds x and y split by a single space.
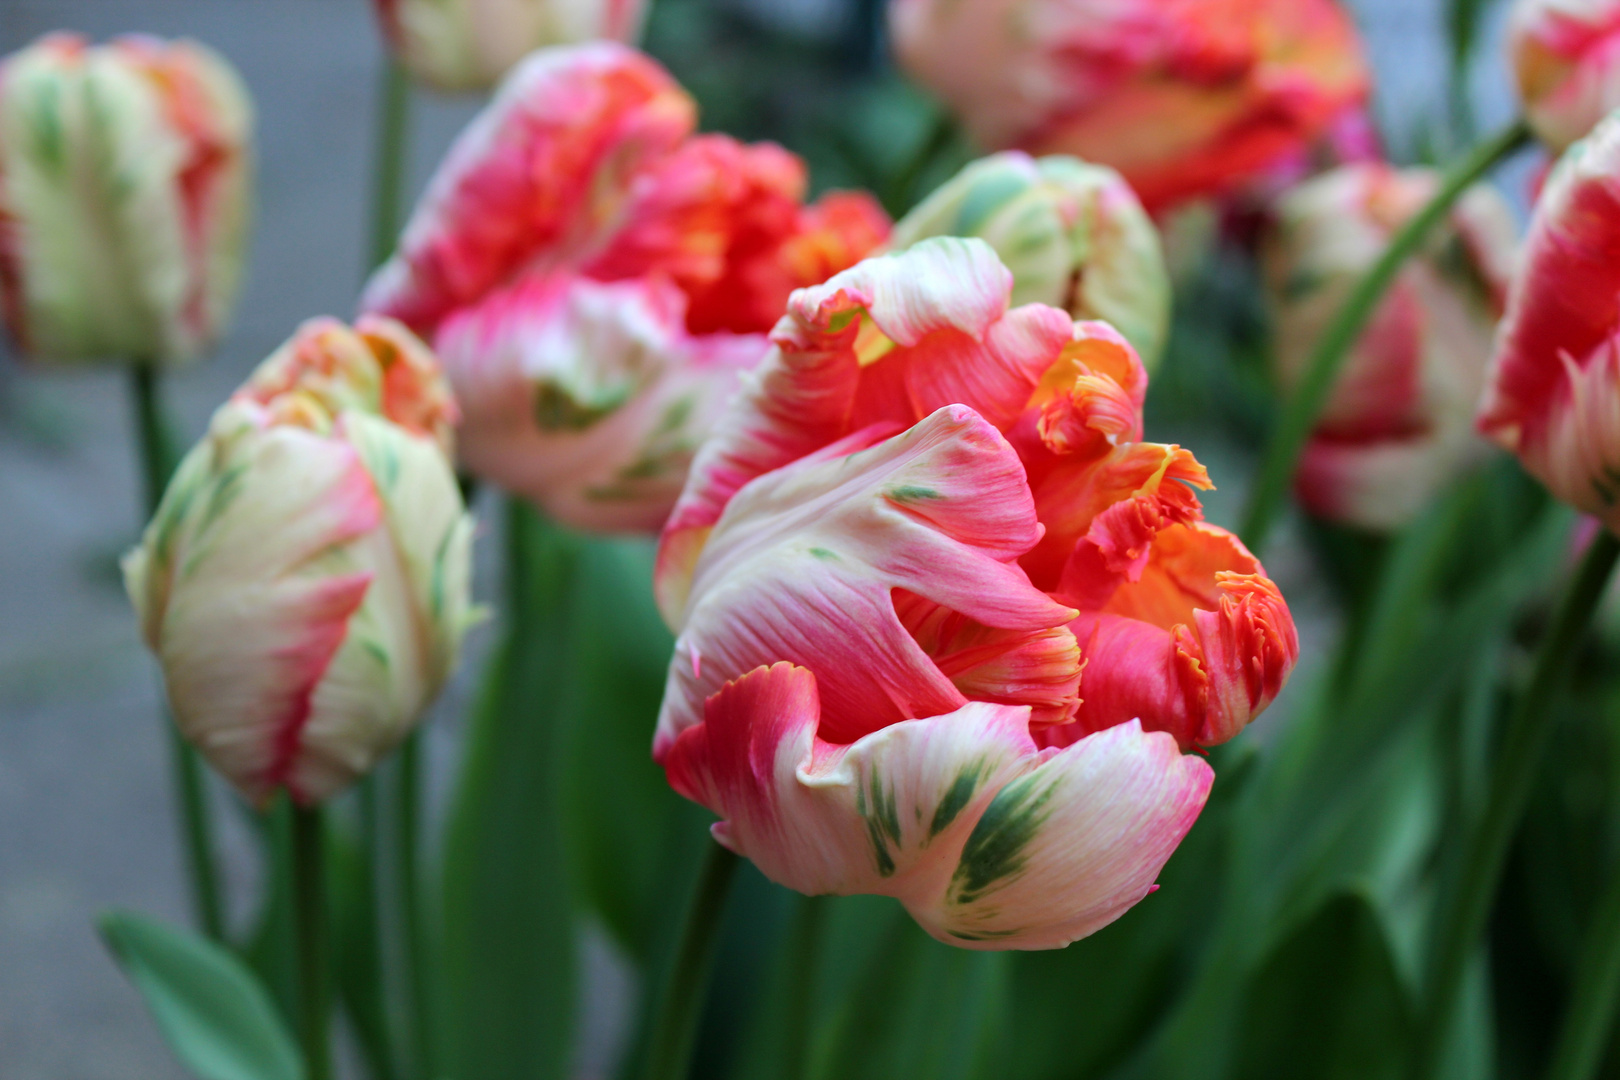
1552 391
305 580
1566 56
470 44
1398 423
124 198
1183 97
945 624
595 277
1074 236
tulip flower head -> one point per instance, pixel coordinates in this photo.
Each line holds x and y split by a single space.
305 580
1074 236
1553 388
1183 97
1399 420
945 624
596 277
1566 55
458 45
124 196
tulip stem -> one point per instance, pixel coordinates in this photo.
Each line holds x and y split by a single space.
1582 1038
408 811
388 168
1300 412
158 460
1464 909
310 934
680 1003
803 948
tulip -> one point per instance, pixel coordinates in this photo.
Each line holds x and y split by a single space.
1552 391
1183 97
596 277
124 197
457 45
945 624
1566 55
1074 236
305 580
1398 423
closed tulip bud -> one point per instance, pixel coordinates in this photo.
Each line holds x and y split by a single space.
124 198
1074 236
1566 55
1398 423
595 277
1183 97
305 580
1552 392
945 624
470 44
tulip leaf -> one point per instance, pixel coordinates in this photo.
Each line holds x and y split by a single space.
508 933
215 1014
1327 1003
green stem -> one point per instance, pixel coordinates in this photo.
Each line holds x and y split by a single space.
159 457
407 818
1597 985
1464 909
310 933
680 1004
804 947
388 168
1302 409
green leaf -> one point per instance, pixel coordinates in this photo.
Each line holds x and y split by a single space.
1327 1004
217 1017
508 934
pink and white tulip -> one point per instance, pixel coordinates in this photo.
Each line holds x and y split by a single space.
945 623
1398 423
596 277
1552 394
305 580
1566 55
470 44
1183 97
124 198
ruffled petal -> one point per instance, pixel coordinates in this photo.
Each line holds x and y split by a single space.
543 171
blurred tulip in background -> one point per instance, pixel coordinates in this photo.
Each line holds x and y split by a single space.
595 276
305 582
1183 97
1566 55
125 176
470 44
945 624
1074 236
1399 421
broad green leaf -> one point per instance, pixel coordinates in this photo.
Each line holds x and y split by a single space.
1327 1003
216 1016
508 934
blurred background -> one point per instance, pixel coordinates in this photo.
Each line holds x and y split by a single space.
85 814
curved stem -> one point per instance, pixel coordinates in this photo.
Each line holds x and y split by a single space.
309 923
1302 409
1597 985
1464 909
680 1004
159 457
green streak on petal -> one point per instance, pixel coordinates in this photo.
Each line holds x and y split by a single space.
909 492
882 821
823 553
957 797
995 850
377 653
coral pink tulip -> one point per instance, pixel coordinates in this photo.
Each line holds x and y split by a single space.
305 581
1553 390
1566 55
1399 420
1184 97
596 277
945 623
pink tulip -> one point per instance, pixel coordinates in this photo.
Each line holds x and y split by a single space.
1553 389
1183 97
1566 55
1398 423
595 278
945 624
